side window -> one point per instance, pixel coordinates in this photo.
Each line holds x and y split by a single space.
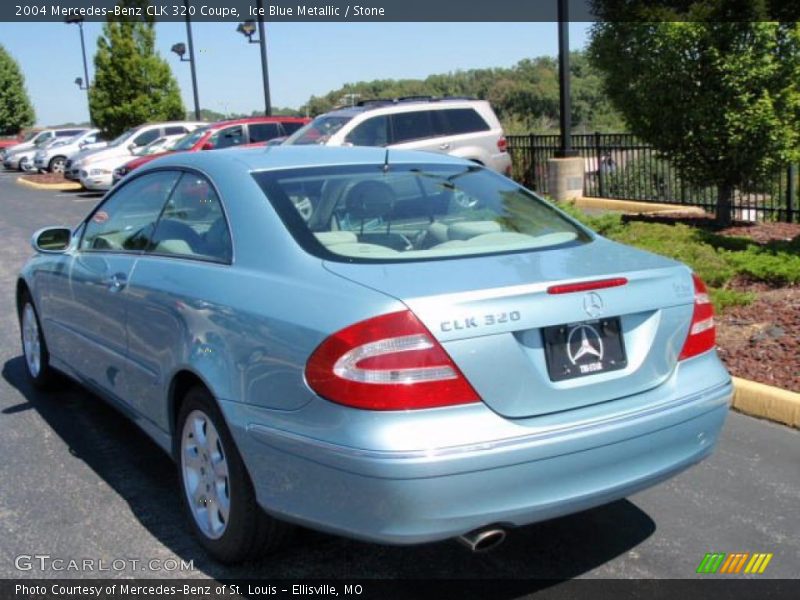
289 127
372 132
262 132
230 136
175 130
410 126
145 138
455 121
193 224
126 220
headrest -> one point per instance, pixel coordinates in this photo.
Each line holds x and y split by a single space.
369 200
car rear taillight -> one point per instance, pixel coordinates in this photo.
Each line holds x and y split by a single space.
390 362
702 333
502 144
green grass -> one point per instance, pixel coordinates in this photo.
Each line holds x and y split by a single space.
717 259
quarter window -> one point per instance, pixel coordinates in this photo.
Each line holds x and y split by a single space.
456 121
193 224
126 220
175 130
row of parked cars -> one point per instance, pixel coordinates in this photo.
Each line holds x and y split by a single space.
462 127
81 154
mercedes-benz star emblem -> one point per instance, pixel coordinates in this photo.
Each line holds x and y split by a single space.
593 304
582 341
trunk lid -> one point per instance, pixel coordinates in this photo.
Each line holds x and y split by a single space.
490 314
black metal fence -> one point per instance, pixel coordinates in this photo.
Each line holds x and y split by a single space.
617 165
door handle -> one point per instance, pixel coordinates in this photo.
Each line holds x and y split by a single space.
444 146
117 282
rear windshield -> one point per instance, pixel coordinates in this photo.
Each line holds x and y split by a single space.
318 131
412 212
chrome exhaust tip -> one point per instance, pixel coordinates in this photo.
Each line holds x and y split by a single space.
483 540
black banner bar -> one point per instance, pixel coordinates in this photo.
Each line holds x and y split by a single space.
399 10
731 588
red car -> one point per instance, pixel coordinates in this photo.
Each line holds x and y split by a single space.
224 134
7 141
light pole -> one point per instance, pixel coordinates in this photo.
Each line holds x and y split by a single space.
180 50
78 80
247 29
565 116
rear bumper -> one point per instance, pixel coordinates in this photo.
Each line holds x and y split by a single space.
501 162
428 494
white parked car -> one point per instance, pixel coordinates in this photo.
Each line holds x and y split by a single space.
125 145
461 127
53 156
97 175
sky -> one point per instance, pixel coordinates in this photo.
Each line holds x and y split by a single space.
303 58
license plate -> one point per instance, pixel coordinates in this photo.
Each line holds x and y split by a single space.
585 348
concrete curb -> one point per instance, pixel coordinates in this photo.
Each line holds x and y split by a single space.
767 402
631 206
67 186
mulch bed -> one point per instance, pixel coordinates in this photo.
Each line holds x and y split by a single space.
760 342
46 178
758 232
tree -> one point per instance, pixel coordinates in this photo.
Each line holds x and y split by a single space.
133 84
525 96
16 110
717 97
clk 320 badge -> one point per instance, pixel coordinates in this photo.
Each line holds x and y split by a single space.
484 321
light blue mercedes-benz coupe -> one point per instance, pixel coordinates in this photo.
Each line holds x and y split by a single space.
394 346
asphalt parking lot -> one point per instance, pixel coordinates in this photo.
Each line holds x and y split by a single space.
80 481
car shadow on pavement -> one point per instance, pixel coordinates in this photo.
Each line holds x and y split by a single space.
138 470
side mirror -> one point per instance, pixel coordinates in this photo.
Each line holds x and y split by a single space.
52 240
132 148
207 146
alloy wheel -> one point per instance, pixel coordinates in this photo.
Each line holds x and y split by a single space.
205 474
31 341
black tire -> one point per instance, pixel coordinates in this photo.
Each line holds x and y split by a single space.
57 162
249 532
43 377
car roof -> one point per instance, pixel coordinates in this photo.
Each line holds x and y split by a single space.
404 104
244 120
261 158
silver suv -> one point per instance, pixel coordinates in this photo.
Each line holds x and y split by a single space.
52 157
462 127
